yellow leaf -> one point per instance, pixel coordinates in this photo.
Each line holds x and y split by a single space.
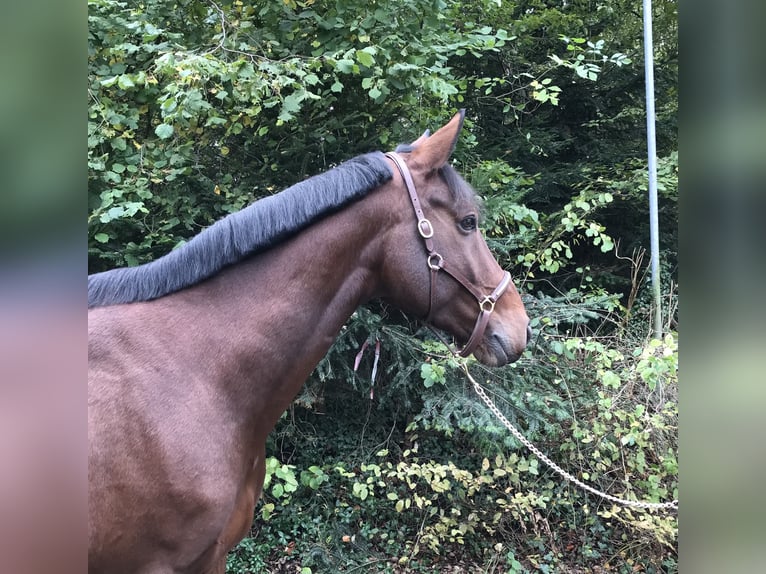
217 190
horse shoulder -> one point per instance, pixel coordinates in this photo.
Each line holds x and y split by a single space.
166 470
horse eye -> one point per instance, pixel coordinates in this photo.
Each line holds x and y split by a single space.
468 223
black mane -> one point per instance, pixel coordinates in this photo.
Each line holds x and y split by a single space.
256 228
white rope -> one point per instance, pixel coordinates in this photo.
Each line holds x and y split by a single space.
536 451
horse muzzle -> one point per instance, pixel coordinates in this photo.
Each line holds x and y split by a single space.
498 348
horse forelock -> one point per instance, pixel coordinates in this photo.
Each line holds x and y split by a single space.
256 228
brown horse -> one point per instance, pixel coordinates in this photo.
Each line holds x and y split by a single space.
194 357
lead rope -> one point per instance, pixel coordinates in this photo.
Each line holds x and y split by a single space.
536 451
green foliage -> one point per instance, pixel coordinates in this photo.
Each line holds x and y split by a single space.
450 477
415 507
585 57
198 108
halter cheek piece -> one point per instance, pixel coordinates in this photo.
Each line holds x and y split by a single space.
437 263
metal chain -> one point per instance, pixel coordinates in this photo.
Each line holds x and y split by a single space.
536 451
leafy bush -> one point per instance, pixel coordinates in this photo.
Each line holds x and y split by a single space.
471 495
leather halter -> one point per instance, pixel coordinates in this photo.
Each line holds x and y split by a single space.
437 263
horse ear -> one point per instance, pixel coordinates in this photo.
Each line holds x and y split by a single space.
421 139
433 152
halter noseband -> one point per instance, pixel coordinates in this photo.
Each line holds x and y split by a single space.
436 263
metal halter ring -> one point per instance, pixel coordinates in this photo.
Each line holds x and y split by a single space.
487 305
425 228
437 264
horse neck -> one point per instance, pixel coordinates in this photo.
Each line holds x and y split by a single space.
273 317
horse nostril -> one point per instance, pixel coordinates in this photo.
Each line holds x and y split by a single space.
529 334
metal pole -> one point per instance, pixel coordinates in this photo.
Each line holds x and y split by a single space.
654 235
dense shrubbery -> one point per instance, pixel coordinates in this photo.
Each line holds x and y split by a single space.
196 108
429 479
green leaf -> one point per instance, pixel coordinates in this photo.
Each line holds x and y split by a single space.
336 87
610 379
360 490
431 374
267 510
119 144
290 106
345 66
107 82
607 245
215 121
113 213
164 131
125 82
365 58
101 237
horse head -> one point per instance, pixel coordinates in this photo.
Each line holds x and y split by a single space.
438 265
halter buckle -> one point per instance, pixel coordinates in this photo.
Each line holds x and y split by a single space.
425 228
487 305
435 261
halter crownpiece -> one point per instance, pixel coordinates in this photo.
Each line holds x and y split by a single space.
436 263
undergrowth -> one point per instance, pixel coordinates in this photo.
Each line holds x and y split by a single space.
410 473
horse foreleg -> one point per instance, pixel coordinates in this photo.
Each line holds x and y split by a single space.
241 518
